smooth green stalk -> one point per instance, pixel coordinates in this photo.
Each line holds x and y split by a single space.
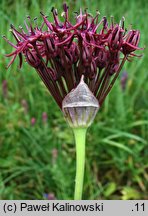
80 137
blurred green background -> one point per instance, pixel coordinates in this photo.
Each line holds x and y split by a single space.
37 151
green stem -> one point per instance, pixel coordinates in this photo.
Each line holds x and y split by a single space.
80 136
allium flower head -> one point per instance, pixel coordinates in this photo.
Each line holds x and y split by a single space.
61 52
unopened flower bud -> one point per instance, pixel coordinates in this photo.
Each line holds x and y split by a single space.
116 38
131 42
102 58
86 56
113 68
80 106
32 58
91 70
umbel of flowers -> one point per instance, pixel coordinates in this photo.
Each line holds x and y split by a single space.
79 63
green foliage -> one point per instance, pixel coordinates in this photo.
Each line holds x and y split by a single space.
40 158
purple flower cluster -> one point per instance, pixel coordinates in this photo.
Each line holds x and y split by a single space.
61 52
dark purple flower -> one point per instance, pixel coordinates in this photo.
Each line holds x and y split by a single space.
61 52
131 41
115 39
101 59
